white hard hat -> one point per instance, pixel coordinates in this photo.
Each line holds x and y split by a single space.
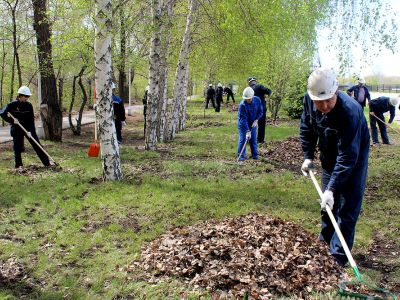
210 84
219 84
361 80
248 93
394 101
322 84
24 90
113 85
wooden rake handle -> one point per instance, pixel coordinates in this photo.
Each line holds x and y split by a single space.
337 229
387 124
31 138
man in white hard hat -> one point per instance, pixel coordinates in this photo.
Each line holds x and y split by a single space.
360 92
249 112
210 95
22 110
337 124
377 108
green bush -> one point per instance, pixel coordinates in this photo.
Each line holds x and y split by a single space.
295 108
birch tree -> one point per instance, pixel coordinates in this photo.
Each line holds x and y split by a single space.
181 75
104 110
153 96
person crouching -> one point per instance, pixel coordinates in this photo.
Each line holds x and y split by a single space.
249 112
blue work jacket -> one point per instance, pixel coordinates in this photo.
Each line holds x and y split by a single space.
22 111
356 90
249 112
342 136
260 91
381 105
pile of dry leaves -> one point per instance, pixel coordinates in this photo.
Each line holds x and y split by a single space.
255 255
287 153
11 271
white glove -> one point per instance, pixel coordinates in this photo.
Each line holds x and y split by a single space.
327 199
29 134
248 135
123 123
255 124
307 166
16 122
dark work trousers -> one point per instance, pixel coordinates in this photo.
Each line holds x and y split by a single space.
346 210
18 139
252 142
212 102
261 127
218 107
144 119
230 96
382 129
118 129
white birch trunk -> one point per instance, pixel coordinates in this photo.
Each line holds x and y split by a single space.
180 88
104 109
153 96
164 72
182 108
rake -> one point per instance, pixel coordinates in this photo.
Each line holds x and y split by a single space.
346 288
387 124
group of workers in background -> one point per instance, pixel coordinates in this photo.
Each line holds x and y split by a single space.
216 96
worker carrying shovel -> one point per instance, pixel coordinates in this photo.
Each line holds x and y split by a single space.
249 112
377 108
337 124
19 112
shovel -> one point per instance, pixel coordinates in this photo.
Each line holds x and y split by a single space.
344 286
241 152
32 139
94 148
388 125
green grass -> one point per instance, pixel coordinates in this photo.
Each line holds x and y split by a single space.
75 235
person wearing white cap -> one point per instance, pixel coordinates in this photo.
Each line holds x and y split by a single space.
22 111
210 95
250 111
360 92
337 124
377 108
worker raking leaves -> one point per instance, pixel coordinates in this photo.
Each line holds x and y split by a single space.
19 113
337 124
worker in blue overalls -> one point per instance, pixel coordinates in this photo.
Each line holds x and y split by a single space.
337 124
377 108
249 112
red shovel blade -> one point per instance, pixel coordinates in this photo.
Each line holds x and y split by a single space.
94 150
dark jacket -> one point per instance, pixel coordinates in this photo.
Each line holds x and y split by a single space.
342 136
119 109
210 93
249 112
23 111
381 105
260 91
356 90
228 91
219 92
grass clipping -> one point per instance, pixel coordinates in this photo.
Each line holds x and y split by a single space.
255 255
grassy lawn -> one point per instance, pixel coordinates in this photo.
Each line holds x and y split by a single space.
73 235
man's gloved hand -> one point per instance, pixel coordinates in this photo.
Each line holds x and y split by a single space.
255 124
307 166
327 200
29 134
372 113
123 123
16 122
248 135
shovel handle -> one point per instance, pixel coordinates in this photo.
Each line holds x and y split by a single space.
379 119
337 229
241 152
32 139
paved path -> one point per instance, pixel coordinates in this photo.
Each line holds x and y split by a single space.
87 118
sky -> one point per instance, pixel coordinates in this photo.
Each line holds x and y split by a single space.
385 64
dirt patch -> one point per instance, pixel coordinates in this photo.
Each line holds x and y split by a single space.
382 256
286 154
34 169
11 271
250 255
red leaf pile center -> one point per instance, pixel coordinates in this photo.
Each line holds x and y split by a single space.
254 254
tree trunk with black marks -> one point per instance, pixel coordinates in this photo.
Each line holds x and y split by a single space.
50 110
